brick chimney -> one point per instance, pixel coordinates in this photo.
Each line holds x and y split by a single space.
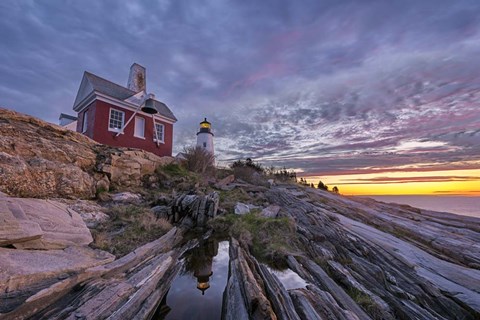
137 78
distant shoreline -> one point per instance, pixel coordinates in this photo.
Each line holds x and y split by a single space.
465 205
416 195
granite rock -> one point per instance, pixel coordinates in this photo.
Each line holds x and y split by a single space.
41 224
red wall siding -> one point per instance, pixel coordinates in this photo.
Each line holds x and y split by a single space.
101 134
90 121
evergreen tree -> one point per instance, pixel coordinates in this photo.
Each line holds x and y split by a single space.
322 186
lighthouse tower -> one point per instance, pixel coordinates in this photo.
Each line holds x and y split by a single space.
205 136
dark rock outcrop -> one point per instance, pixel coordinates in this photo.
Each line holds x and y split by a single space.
190 210
245 297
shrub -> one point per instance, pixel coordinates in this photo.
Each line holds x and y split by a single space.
221 173
281 174
248 163
254 173
250 175
322 186
199 160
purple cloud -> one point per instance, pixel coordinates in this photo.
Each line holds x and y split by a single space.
323 86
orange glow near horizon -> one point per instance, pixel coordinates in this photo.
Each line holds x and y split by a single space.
463 182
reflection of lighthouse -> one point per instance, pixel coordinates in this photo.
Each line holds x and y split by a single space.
203 276
205 136
202 262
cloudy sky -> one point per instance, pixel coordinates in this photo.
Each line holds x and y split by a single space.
358 93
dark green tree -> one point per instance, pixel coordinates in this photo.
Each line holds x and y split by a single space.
322 186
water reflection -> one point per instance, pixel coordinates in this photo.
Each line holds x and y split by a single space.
200 260
289 278
197 293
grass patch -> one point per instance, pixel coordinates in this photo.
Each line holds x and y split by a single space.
270 240
228 199
129 227
367 303
175 170
176 176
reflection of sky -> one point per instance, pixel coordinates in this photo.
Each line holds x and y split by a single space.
220 265
289 278
187 301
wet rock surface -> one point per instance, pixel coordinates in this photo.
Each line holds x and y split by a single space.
245 296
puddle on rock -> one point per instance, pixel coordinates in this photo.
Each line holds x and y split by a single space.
289 278
197 293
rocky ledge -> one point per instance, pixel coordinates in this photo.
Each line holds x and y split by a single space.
350 264
362 259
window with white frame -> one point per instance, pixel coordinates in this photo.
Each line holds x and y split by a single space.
139 127
85 121
159 132
117 118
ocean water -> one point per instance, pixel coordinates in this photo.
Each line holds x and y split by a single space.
466 206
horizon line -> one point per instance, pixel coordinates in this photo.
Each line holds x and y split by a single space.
416 194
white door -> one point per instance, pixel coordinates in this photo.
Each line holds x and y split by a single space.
139 127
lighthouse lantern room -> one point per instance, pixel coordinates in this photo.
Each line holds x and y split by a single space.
205 136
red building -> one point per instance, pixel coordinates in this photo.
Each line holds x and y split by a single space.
124 116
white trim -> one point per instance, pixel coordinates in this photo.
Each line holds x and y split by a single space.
85 102
109 118
135 128
85 121
118 103
155 132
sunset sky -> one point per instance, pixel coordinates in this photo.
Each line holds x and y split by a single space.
376 97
